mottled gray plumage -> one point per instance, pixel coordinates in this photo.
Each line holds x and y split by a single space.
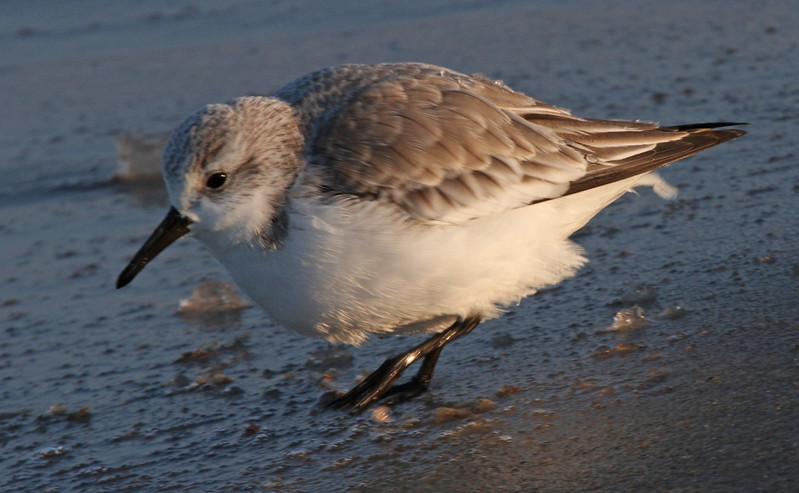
443 146
399 198
449 147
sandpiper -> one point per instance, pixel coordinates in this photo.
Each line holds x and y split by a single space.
400 198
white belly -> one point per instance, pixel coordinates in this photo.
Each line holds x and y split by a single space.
345 272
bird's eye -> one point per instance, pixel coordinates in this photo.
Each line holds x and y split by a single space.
216 180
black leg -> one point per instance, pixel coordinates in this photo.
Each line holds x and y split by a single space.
419 383
379 383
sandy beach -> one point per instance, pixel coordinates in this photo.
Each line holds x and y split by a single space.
106 390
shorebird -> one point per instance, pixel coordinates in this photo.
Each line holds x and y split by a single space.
400 198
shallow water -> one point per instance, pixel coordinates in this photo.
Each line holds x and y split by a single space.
106 390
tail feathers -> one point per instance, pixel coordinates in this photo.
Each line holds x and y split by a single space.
686 140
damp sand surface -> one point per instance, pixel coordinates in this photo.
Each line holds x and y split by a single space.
670 363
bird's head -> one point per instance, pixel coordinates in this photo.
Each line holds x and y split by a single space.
227 168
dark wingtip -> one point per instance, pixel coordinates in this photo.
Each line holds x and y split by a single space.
699 126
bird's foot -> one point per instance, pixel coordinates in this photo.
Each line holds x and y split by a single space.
374 387
359 399
380 383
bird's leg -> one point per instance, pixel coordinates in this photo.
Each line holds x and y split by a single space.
379 383
419 383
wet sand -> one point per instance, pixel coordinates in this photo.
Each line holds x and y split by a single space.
106 390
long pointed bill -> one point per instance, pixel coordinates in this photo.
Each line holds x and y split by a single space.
171 228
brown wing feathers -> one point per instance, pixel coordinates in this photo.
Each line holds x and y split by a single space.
675 143
451 149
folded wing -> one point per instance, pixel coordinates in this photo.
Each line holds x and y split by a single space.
451 149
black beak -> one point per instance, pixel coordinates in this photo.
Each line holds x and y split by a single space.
171 228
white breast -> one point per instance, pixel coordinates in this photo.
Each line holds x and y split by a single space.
353 268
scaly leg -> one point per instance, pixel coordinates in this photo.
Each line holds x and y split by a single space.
379 383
